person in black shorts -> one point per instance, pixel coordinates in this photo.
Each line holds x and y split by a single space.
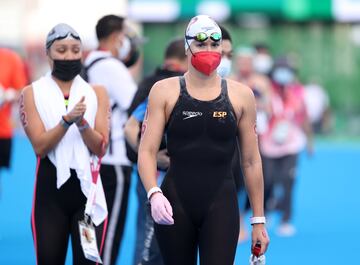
202 115
67 123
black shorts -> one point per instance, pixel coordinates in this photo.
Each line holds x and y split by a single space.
5 152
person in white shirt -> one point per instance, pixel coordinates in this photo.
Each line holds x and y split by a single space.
111 73
318 108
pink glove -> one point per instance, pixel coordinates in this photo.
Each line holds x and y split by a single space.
161 210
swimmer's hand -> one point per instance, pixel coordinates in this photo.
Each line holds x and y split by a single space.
260 235
77 113
161 210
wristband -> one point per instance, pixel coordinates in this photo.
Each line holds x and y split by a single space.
258 220
152 191
83 125
64 123
67 122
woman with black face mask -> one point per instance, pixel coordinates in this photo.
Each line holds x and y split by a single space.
67 122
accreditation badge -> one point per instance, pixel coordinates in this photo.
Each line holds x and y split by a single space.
88 241
281 132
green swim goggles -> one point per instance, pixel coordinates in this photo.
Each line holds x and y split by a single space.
202 36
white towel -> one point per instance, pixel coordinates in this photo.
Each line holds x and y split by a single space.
71 152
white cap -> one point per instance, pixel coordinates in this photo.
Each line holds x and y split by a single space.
200 23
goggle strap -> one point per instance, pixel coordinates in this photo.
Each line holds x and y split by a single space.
189 45
76 37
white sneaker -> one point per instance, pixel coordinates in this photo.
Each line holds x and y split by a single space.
286 230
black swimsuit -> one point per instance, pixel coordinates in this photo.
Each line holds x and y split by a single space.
55 217
201 139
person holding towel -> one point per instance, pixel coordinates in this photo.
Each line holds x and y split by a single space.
67 122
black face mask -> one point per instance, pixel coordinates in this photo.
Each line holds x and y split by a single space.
66 70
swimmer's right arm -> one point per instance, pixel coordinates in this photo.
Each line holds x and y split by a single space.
151 134
42 141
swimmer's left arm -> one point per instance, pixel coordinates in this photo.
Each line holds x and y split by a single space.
250 155
251 165
97 139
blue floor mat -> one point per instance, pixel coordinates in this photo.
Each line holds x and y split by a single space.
326 211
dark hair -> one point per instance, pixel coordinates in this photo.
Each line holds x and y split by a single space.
261 46
107 25
285 61
225 34
175 49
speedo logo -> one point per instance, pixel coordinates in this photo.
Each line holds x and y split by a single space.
219 114
191 114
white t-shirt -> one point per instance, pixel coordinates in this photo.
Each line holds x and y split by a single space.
116 78
317 101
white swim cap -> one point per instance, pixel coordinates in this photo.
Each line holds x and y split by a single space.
200 23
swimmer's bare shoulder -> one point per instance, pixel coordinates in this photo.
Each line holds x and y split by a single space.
241 96
165 91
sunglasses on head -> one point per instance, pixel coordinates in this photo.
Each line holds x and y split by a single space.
202 36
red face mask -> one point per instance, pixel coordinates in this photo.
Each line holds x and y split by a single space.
206 62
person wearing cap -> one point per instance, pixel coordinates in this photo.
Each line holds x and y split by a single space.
67 123
111 73
196 207
288 134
